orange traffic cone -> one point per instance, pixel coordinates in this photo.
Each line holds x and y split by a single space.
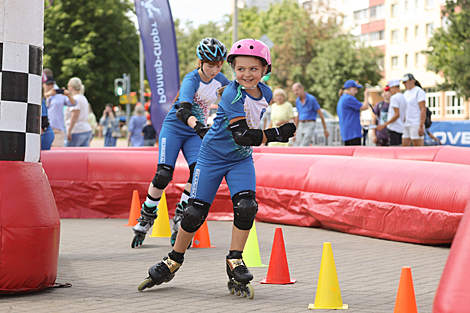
202 238
406 300
135 209
278 270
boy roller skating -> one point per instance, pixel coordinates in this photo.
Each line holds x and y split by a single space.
184 127
226 152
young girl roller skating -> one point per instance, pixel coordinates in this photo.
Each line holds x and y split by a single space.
183 129
226 152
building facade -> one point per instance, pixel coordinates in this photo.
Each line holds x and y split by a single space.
402 29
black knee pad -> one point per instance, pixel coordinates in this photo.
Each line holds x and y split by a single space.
191 172
245 208
194 215
163 176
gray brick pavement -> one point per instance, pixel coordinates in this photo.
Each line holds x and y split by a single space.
96 258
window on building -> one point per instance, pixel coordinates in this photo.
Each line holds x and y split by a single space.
395 62
445 23
381 64
394 36
429 30
433 100
416 5
405 7
407 34
429 4
360 15
377 12
407 60
417 59
416 32
376 36
395 10
454 105
364 37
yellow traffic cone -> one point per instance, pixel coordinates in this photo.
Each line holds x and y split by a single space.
161 227
328 293
251 255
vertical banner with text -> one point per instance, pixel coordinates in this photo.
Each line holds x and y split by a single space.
161 56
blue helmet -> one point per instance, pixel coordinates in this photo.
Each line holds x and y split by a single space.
211 49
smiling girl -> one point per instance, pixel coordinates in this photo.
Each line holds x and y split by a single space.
226 152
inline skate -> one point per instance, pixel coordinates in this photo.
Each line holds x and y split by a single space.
145 222
160 273
239 277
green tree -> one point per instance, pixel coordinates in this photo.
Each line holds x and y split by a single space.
93 40
188 38
340 59
449 48
309 48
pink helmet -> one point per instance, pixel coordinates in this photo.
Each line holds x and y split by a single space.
250 47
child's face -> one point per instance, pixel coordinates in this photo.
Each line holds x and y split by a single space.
211 69
248 71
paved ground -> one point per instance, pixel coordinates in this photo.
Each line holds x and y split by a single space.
96 258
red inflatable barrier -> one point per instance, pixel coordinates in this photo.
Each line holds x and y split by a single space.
446 154
452 293
403 200
29 229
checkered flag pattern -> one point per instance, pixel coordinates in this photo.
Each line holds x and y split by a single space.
20 102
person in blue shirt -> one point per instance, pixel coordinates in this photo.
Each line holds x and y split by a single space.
226 152
308 109
136 124
349 113
183 128
47 134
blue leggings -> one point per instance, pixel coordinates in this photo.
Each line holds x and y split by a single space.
170 143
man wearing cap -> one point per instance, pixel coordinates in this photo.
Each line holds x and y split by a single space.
396 114
349 113
380 136
55 106
308 109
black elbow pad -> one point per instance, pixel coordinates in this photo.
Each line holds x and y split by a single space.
184 112
244 136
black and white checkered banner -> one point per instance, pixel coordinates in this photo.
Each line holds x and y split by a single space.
20 102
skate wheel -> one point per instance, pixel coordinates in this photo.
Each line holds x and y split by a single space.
244 294
147 283
173 238
238 292
250 292
231 287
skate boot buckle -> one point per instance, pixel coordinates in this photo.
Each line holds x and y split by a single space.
172 265
233 263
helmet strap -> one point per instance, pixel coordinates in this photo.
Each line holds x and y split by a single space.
202 69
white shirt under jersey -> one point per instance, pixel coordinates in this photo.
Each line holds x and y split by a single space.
397 101
413 111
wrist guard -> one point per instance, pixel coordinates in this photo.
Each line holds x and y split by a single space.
280 134
201 129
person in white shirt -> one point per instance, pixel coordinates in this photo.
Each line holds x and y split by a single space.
415 112
76 117
396 114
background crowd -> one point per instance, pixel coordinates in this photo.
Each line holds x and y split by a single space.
68 119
